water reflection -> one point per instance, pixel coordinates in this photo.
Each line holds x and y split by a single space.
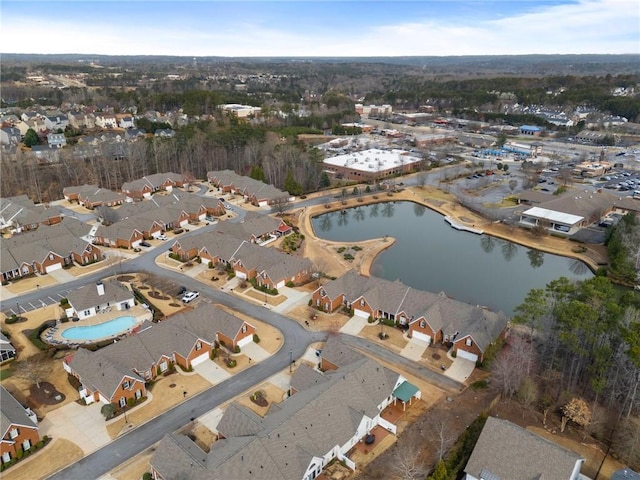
388 209
488 243
509 250
325 223
358 215
374 210
536 258
419 210
343 218
577 267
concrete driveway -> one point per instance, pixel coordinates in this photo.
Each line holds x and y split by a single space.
255 352
211 419
353 326
83 425
294 297
211 372
460 369
414 349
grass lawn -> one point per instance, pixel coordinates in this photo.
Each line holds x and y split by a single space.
5 373
58 454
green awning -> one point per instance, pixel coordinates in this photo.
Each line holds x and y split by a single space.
405 391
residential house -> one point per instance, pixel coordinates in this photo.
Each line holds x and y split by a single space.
211 247
7 350
165 133
91 199
256 228
90 300
80 120
146 186
119 371
57 140
18 425
20 214
10 136
106 120
430 317
124 234
44 154
625 474
507 451
73 193
133 134
56 122
328 414
28 115
46 249
255 192
126 122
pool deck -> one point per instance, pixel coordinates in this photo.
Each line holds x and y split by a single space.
54 336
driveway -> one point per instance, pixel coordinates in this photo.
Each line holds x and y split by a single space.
211 372
294 297
211 419
353 326
414 349
83 425
255 352
460 369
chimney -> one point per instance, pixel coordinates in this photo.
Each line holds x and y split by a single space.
100 288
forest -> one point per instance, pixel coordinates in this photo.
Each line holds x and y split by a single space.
578 344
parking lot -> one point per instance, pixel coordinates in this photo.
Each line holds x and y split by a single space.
622 181
24 307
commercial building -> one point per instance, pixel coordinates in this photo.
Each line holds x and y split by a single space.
370 165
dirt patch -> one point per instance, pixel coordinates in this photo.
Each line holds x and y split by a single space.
133 468
265 298
55 456
46 394
203 437
395 339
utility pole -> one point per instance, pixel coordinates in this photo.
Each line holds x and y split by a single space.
290 360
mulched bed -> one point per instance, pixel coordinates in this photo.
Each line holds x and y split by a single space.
258 399
158 295
175 305
125 278
45 395
436 356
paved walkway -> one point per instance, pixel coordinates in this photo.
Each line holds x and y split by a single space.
414 349
83 425
353 326
460 369
211 372
281 380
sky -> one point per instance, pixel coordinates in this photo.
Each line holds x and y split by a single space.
326 28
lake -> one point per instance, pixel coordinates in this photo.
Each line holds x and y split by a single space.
430 255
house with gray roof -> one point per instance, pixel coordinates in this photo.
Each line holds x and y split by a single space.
7 350
323 420
428 316
46 249
90 300
254 191
120 370
18 427
506 451
625 474
147 185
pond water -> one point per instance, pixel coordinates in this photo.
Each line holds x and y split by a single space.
430 255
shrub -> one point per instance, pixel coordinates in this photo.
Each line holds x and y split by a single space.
210 264
12 319
348 256
147 476
480 385
341 249
213 353
236 349
256 338
231 363
290 284
310 302
63 302
131 402
356 248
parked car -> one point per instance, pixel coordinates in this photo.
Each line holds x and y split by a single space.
182 290
162 237
562 228
145 244
190 296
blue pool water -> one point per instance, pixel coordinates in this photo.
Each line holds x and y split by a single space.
101 330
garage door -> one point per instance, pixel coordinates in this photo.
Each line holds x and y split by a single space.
53 268
199 359
360 313
245 341
241 275
469 356
421 336
136 243
281 284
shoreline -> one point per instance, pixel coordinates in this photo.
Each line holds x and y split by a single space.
442 203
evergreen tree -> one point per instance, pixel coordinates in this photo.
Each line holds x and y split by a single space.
290 184
31 138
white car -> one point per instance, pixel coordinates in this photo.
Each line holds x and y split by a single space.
162 237
189 296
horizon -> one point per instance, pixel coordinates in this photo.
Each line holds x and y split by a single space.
323 29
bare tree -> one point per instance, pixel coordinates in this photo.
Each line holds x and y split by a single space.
408 462
32 368
441 435
528 393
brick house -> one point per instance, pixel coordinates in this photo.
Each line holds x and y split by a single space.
119 371
19 427
432 318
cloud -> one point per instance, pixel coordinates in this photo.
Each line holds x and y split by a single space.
587 26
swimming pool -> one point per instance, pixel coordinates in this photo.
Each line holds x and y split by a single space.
101 330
